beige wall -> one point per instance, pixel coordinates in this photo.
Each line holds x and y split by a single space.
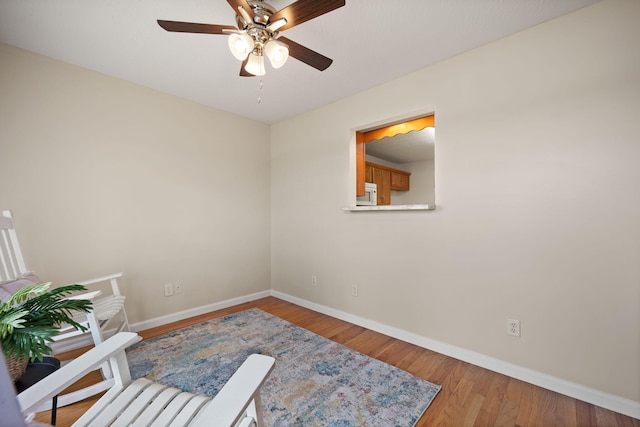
105 176
538 213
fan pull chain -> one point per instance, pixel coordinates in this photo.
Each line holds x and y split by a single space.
260 88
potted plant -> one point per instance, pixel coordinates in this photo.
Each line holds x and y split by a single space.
30 319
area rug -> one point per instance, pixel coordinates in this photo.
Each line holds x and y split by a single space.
316 382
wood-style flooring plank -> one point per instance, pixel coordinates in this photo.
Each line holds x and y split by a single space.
399 353
470 395
369 342
472 410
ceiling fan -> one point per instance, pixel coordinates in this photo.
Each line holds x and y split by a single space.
257 33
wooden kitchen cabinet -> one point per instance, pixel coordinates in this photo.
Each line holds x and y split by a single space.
400 180
368 172
382 178
386 179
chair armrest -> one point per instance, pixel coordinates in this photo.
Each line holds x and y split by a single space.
53 384
87 295
235 396
111 278
100 279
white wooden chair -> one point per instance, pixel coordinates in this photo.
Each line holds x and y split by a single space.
144 403
108 315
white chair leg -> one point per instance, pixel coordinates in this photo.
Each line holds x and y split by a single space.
256 410
96 334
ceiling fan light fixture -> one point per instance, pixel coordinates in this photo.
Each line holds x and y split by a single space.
240 45
257 33
277 52
255 65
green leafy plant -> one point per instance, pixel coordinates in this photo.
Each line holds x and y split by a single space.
33 316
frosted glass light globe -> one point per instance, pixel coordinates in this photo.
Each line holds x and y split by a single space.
255 65
240 45
277 52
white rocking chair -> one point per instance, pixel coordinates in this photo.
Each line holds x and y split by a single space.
108 312
144 403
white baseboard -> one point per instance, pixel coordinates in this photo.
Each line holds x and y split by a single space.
599 398
185 314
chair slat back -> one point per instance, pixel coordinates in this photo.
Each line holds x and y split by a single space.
12 263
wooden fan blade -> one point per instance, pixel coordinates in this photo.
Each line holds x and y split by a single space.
243 3
306 55
192 27
304 10
243 72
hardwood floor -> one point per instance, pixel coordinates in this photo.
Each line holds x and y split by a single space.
470 396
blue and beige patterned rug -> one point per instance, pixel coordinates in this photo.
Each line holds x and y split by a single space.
316 382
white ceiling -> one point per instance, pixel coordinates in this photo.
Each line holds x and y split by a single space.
370 41
414 146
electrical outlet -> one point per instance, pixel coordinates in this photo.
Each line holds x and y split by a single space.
513 327
177 287
354 290
168 289
314 280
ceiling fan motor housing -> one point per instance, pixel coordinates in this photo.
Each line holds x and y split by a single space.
262 11
258 29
